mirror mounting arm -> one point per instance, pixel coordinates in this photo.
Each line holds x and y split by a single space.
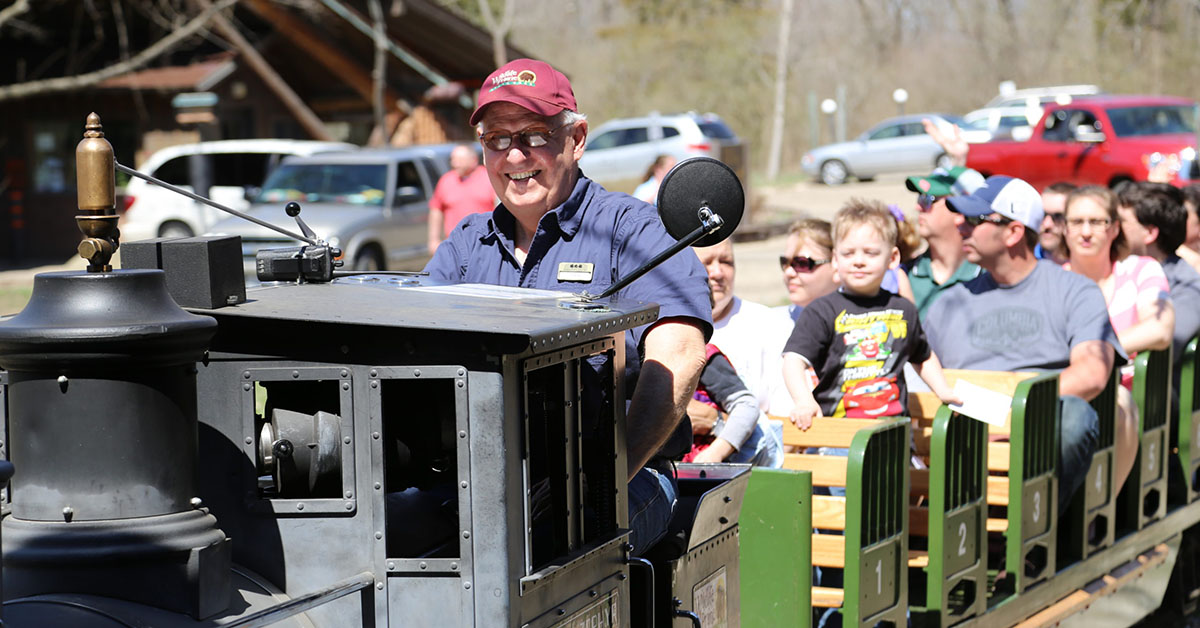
710 222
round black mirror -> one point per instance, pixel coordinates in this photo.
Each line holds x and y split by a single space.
694 184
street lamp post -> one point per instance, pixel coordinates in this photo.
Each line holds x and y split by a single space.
901 97
828 107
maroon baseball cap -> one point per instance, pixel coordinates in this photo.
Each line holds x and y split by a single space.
531 84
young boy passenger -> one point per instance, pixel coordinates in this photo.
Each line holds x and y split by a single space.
859 338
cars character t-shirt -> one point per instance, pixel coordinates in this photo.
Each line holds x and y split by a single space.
858 346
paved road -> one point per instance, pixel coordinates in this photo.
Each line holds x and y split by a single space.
758 279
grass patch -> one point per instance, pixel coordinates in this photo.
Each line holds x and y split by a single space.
13 299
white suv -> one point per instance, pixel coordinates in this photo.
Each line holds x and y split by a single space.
234 169
619 152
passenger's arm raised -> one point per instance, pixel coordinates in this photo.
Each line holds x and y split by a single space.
1087 374
674 357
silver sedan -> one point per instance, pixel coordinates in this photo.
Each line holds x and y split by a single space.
894 145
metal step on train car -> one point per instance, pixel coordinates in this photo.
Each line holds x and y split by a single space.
337 450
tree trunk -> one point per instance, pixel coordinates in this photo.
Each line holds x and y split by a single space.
781 55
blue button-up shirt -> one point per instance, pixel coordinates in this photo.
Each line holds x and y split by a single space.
614 232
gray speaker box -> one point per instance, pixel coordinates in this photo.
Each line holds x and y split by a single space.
202 272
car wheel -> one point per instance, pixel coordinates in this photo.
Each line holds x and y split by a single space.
944 162
833 172
370 258
175 230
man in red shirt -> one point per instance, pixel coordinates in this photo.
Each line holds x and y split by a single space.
462 191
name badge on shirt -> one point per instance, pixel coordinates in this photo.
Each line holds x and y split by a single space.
575 271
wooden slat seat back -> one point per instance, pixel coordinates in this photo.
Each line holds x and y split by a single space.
1188 432
954 519
1143 498
775 548
1089 524
1032 482
873 547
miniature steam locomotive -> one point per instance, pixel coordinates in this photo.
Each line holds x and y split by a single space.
367 451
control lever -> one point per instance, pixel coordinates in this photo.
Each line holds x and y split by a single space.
293 210
211 203
314 262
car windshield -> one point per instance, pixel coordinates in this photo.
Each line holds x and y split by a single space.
1152 120
716 129
353 184
978 124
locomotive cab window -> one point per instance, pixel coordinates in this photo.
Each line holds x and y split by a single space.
299 439
420 462
569 453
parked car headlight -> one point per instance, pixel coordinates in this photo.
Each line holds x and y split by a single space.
807 159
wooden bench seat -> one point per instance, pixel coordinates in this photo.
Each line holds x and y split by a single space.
826 597
879 517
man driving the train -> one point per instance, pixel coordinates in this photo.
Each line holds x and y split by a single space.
556 229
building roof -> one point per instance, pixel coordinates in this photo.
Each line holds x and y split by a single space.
200 76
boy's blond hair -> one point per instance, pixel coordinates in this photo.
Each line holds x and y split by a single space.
859 211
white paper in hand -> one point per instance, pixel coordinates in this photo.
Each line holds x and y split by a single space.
982 404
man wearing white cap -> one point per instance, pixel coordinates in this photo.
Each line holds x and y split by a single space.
1026 314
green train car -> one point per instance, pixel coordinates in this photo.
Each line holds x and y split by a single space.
979 508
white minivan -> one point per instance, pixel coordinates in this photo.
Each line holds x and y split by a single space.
231 170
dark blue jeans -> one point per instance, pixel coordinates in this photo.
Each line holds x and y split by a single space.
1077 442
652 496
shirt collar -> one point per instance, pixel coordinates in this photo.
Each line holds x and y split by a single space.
568 216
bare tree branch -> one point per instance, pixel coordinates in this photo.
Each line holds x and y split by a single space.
378 73
65 83
9 12
499 30
123 42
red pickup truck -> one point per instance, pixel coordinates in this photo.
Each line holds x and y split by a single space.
1096 139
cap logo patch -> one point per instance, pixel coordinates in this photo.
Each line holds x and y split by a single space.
513 77
923 184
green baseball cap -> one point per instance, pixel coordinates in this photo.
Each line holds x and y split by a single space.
956 181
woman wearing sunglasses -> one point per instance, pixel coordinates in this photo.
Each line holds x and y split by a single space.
1135 289
807 273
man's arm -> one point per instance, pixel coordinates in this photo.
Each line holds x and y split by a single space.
1087 374
1154 330
674 357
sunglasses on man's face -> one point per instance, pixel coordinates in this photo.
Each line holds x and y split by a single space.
800 263
533 137
925 201
995 219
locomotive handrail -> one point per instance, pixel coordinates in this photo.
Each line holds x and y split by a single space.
297 605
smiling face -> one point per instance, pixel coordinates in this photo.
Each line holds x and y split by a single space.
718 261
1090 230
862 257
804 287
532 181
